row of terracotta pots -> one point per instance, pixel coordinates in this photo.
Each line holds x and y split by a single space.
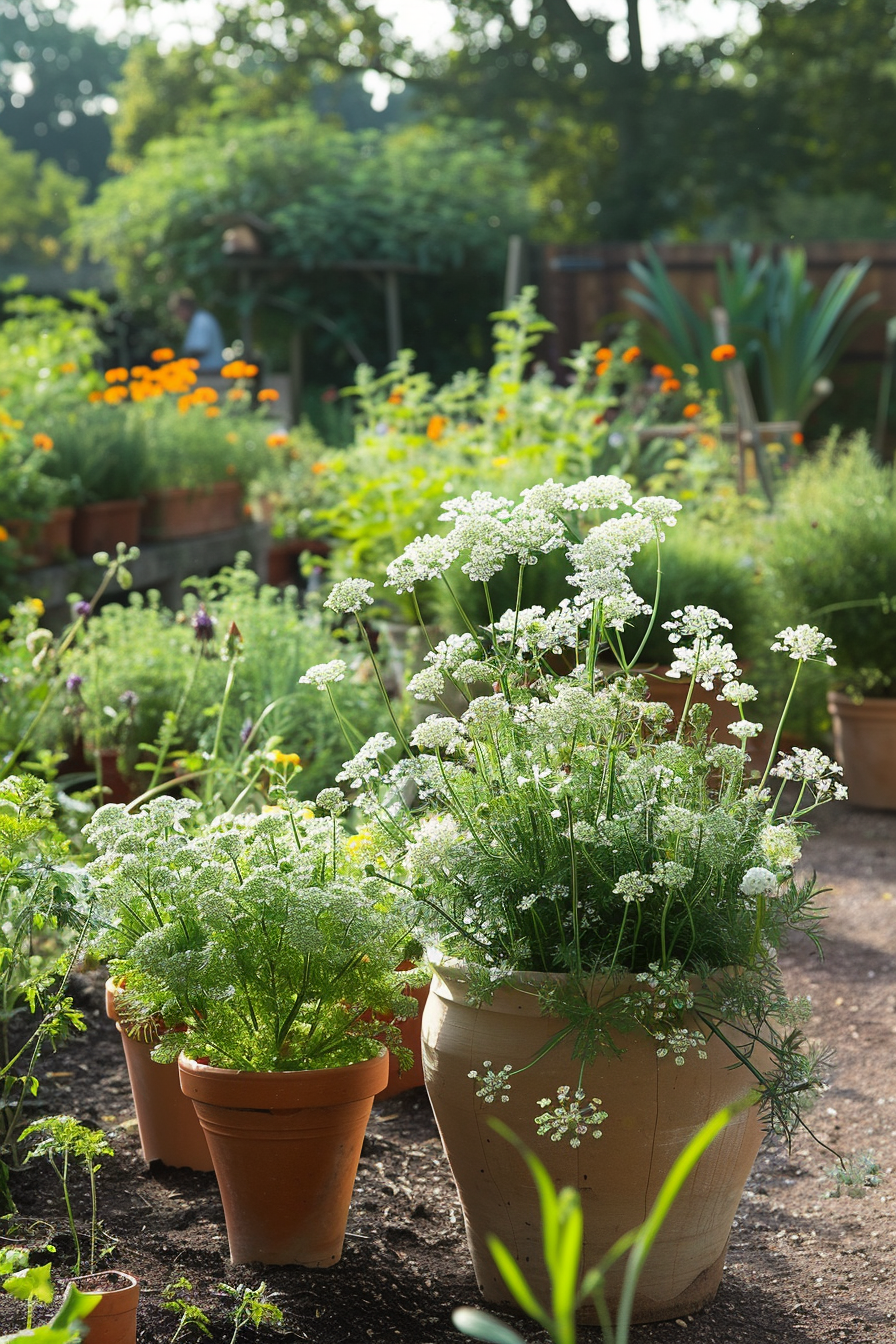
285 1147
162 515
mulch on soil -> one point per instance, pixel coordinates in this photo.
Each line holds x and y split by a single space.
802 1268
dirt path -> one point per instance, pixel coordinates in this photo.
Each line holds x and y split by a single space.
801 1267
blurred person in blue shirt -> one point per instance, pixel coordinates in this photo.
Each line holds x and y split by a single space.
204 340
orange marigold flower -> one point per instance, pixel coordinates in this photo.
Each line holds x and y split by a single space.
4 535
692 409
95 396
68 367
501 413
631 354
670 385
162 355
238 368
250 370
212 411
723 352
436 427
237 394
602 368
113 395
661 371
603 354
116 375
189 362
142 371
798 437
42 441
184 403
277 440
205 396
708 441
394 398
268 394
318 467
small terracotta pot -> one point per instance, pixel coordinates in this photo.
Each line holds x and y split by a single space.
653 1109
865 745
175 513
410 1039
114 1318
122 789
166 1121
286 1148
100 527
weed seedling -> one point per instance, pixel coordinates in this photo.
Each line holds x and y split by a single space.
66 1141
173 1299
252 1306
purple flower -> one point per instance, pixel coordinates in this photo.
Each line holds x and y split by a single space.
130 699
246 731
203 624
81 608
74 683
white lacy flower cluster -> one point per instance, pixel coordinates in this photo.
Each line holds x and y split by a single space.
758 882
364 767
809 765
322 674
487 530
493 1083
710 656
456 658
574 1115
804 642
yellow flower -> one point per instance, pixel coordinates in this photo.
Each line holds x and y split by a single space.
271 810
355 843
308 814
691 369
285 758
500 461
4 535
36 605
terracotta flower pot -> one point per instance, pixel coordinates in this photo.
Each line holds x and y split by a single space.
410 1039
100 527
114 1318
286 1148
175 513
122 789
167 1123
865 745
47 541
653 1109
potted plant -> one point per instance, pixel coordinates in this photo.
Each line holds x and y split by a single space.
831 558
275 955
67 1145
35 512
103 460
30 1284
604 897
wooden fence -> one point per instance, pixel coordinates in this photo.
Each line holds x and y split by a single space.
581 286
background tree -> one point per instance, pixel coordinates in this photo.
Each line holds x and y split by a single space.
37 201
56 86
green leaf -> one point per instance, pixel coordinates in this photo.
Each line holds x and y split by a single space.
515 1281
481 1325
30 1284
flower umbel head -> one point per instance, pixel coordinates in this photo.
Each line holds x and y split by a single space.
351 595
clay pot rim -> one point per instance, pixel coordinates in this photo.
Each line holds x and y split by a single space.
869 707
287 1090
130 1283
449 974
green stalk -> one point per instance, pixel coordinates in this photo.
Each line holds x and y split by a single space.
781 721
656 600
92 1169
228 687
385 694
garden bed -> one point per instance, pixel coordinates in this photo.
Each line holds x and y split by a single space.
801 1267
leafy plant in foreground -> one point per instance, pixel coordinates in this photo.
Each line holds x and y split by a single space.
174 1297
562 1228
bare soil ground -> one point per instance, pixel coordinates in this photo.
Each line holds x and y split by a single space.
802 1268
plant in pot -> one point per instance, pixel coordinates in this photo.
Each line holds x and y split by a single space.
275 955
31 1284
604 896
67 1145
831 558
31 498
103 460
